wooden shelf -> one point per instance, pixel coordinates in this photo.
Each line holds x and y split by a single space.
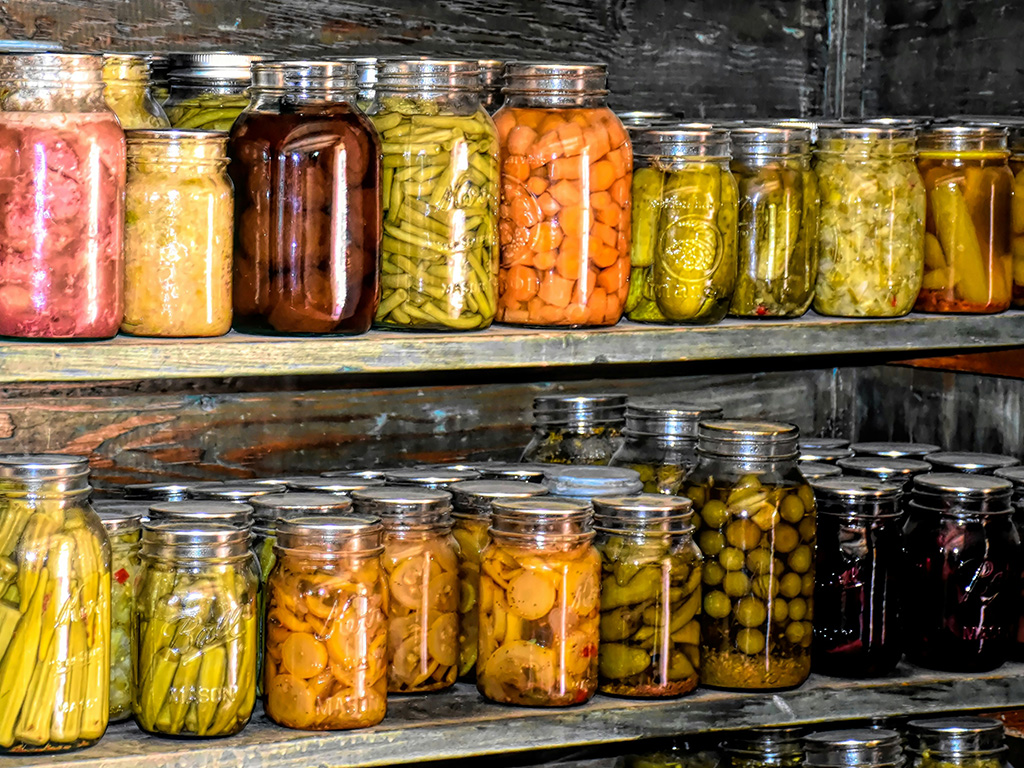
500 347
459 724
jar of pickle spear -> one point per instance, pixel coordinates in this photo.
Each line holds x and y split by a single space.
327 624
778 222
957 742
968 257
685 211
576 429
660 442
757 536
471 502
650 596
194 646
55 614
127 92
872 221
540 596
421 565
765 748
440 197
124 529
208 91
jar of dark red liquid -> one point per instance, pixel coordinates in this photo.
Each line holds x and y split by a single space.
62 178
961 575
1016 476
305 163
856 598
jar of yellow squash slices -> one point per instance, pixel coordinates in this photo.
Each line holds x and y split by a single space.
540 599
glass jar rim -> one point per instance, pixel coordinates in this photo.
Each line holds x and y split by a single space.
351 533
185 540
546 78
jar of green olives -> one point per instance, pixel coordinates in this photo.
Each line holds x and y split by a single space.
576 429
757 535
765 748
660 442
124 528
957 742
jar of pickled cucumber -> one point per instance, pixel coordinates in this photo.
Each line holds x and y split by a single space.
339 486
962 574
127 92
683 256
899 472
439 258
967 253
957 742
522 473
588 483
55 612
969 463
194 644
757 536
435 478
237 514
650 596
236 492
576 429
895 450
858 562
421 564
567 165
540 597
765 748
168 491
327 624
660 442
208 91
872 221
778 222
854 748
813 470
471 502
124 529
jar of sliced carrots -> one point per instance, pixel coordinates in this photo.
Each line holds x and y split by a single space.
685 214
564 225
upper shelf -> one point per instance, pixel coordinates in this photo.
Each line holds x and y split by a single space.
128 358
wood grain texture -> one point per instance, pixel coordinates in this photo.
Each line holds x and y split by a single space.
731 57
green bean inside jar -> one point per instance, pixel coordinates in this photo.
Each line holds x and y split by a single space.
208 91
439 267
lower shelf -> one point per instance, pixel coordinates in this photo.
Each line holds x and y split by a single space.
459 724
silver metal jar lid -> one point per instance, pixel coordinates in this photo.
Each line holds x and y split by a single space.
330 533
537 77
670 420
429 477
563 410
401 75
42 466
306 75
646 512
363 474
120 521
400 505
335 485
814 470
228 512
646 119
278 506
173 491
824 455
1016 476
53 69
492 73
852 495
473 498
523 473
186 540
957 493
823 443
884 468
855 748
956 736
964 137
895 450
761 140
866 132
970 462
119 507
702 140
238 492
766 743
553 517
211 65
755 440
586 482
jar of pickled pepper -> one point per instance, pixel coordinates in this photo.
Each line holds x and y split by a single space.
124 529
765 748
899 472
567 168
194 645
957 742
778 222
685 211
650 596
327 624
968 258
208 91
854 748
660 442
540 596
576 429
127 92
471 513
421 564
969 462
757 536
55 610
895 450
439 257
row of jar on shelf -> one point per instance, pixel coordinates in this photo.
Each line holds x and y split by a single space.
308 218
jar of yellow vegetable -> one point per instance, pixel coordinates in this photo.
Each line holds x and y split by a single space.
127 92
124 528
540 599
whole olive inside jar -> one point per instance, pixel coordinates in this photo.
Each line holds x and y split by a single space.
124 529
854 748
305 162
660 442
957 742
895 450
886 470
128 94
765 748
576 429
757 536
969 462
650 596
961 575
208 90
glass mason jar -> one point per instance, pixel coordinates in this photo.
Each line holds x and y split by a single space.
961 579
238 492
900 472
304 161
970 463
540 596
650 596
208 91
159 69
1017 212
576 429
126 76
685 209
856 597
967 254
339 486
757 534
957 742
471 501
178 235
567 167
234 514
522 473
440 197
54 606
813 470
327 625
765 748
778 222
872 221
194 646
423 585
435 478
855 748
660 442
824 455
895 450
163 491
366 74
588 483
124 529
62 193
492 82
